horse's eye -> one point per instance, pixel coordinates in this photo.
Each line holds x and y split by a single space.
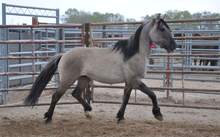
161 29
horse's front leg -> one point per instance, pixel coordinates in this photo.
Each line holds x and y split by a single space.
127 93
156 110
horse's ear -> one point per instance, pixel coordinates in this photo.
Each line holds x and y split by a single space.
164 16
158 16
158 20
153 21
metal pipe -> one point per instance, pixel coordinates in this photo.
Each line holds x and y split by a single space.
38 41
106 23
217 37
168 21
43 26
149 71
185 72
183 55
11 5
186 90
111 102
151 56
39 104
177 38
161 105
24 57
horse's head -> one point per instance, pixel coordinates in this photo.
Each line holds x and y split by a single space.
160 34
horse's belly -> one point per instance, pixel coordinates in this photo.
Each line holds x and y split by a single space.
108 75
108 79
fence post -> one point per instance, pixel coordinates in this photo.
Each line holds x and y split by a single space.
168 79
4 66
87 34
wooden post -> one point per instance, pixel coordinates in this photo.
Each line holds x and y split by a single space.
35 21
87 34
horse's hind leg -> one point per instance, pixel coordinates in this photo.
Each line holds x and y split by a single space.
127 93
82 86
55 98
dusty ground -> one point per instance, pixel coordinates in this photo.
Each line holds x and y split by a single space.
69 120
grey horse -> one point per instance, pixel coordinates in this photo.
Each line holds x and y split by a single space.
124 63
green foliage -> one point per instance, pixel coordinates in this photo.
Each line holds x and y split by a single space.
177 15
74 16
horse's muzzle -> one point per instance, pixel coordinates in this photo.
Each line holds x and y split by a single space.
173 46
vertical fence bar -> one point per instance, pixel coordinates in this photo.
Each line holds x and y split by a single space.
168 82
188 52
135 96
46 35
3 48
3 14
104 35
87 34
1 66
182 81
58 50
4 67
218 63
57 16
83 35
33 53
19 50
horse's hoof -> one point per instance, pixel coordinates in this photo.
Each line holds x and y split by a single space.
87 114
48 118
88 108
120 116
159 117
120 120
157 114
46 115
48 121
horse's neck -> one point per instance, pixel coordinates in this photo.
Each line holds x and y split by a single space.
139 60
144 43
144 48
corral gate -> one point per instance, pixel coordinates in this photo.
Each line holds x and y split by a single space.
6 49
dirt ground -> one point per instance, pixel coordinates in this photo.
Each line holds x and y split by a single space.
70 121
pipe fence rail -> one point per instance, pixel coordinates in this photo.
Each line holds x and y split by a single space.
59 38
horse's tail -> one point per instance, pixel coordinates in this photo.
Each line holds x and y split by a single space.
42 81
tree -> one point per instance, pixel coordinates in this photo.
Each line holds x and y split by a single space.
74 16
177 15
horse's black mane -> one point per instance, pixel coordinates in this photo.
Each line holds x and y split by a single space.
129 47
165 23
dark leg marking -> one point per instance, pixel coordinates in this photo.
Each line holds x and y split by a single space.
77 93
156 110
55 98
127 93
